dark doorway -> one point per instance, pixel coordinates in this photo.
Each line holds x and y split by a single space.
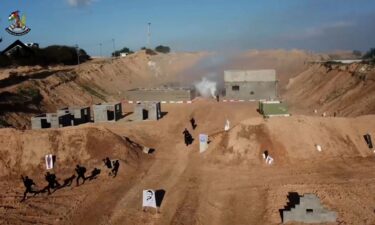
110 115
45 124
145 114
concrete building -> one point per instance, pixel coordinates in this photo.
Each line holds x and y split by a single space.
51 120
147 111
309 210
79 115
250 84
105 112
171 95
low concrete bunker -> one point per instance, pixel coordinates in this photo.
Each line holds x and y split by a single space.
147 111
51 120
79 115
163 94
105 112
306 209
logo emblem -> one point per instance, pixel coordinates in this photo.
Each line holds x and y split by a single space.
18 27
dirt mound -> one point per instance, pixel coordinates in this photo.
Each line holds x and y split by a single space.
292 139
331 88
24 151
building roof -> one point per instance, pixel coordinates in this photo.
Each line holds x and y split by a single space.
16 44
249 75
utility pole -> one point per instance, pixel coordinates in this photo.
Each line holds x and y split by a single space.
113 42
77 48
100 44
149 35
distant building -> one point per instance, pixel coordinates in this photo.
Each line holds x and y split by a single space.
250 84
51 120
147 111
123 54
106 112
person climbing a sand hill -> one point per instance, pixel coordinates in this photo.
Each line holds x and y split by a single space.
68 181
188 138
193 124
116 166
81 174
107 163
94 174
29 187
52 182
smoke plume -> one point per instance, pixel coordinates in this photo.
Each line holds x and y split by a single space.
206 88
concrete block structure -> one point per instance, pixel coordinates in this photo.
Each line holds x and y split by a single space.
51 120
309 210
106 112
147 111
250 84
168 95
79 115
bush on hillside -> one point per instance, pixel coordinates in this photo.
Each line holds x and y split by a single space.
54 54
163 49
369 54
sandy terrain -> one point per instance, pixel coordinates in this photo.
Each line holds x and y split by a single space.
341 89
228 184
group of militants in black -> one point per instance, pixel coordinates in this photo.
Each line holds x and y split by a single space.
53 184
112 166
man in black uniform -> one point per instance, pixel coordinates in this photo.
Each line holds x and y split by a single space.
107 163
193 124
188 138
28 185
116 166
81 174
52 182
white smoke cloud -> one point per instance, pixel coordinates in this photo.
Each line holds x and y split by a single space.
206 88
76 3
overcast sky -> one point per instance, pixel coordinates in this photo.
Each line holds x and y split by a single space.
318 25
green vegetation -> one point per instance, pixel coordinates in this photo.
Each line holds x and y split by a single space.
163 49
50 55
123 50
369 54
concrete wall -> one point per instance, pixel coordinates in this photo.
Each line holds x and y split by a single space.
160 95
152 109
51 120
250 90
107 112
309 210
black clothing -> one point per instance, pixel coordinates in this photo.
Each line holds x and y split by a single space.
107 163
81 174
28 183
116 166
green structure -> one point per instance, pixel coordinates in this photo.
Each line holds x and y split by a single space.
273 108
